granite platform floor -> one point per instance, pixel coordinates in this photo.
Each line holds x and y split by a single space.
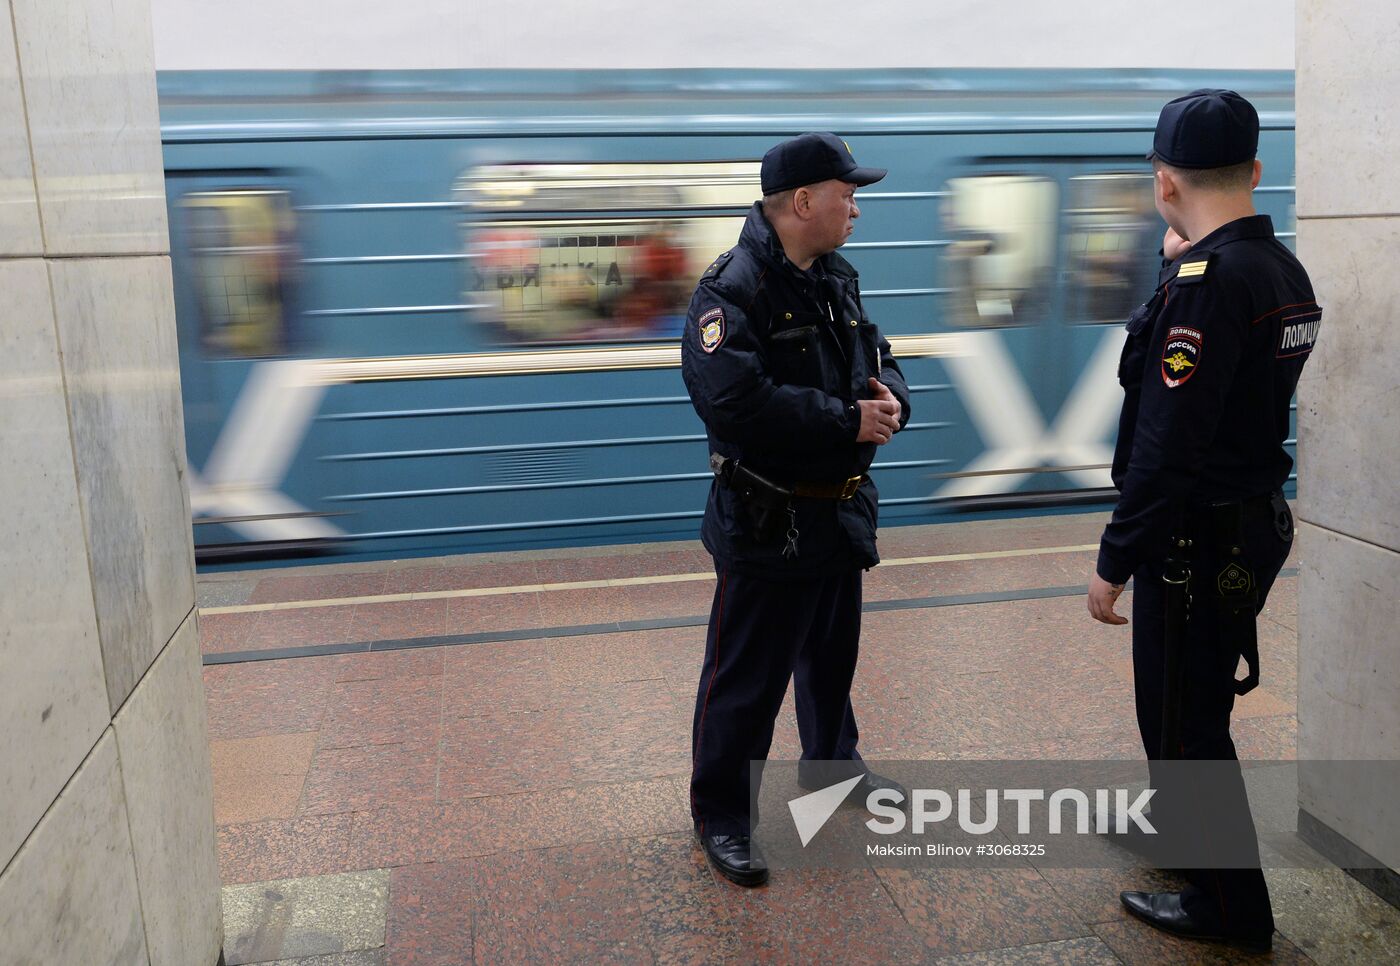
507 782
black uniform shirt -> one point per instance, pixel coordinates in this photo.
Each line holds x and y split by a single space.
1209 367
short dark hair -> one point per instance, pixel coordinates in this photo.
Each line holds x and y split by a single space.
775 199
1231 177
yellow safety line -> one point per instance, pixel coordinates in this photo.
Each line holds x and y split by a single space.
592 584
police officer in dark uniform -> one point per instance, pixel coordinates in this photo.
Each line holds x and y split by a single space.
797 389
1210 364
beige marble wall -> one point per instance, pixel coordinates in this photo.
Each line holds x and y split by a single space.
1348 83
106 806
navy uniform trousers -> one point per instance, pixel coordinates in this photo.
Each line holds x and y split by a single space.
1239 897
763 633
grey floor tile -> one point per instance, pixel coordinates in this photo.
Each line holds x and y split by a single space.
268 922
1333 918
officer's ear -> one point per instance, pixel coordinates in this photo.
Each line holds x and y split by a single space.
1258 172
1167 188
802 202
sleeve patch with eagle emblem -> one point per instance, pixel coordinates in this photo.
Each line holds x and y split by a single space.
1181 355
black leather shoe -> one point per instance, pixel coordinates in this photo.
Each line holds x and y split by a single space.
737 858
869 782
1163 910
874 783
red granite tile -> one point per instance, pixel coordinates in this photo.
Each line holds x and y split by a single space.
593 605
1259 703
430 915
685 598
626 731
415 580
502 752
287 849
503 676
1092 894
413 662
400 620
965 910
602 659
304 627
560 905
1282 603
816 915
355 779
266 697
1266 739
883 583
413 833
383 712
279 588
1101 744
617 565
983 576
679 652
1278 660
482 615
1136 942
1088 951
687 917
219 633
787 743
256 779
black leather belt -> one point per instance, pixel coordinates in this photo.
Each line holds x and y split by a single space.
731 474
830 491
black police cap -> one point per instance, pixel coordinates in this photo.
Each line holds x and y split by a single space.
1207 128
810 158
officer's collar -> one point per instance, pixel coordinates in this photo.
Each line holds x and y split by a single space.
758 234
1250 226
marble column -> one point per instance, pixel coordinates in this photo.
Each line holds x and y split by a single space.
107 848
1348 86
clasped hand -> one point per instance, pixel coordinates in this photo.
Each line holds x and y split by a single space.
879 417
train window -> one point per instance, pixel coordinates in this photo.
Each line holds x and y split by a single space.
1111 228
1001 259
243 258
596 252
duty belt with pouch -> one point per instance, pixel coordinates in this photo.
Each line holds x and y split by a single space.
768 504
1235 588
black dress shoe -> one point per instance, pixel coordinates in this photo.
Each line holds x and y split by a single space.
869 782
1163 910
737 858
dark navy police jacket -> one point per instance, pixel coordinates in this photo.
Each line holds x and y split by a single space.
774 359
1209 367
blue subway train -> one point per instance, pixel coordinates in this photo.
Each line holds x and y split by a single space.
430 312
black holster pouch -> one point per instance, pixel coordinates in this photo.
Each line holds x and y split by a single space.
1236 591
767 506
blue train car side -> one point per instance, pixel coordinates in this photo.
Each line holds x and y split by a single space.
436 311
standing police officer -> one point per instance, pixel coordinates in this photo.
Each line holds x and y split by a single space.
797 389
1209 367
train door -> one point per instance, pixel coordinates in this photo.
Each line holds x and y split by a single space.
1045 260
234 260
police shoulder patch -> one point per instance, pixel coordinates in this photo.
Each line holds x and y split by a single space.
711 324
1181 354
1192 270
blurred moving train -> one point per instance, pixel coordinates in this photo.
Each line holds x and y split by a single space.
436 311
